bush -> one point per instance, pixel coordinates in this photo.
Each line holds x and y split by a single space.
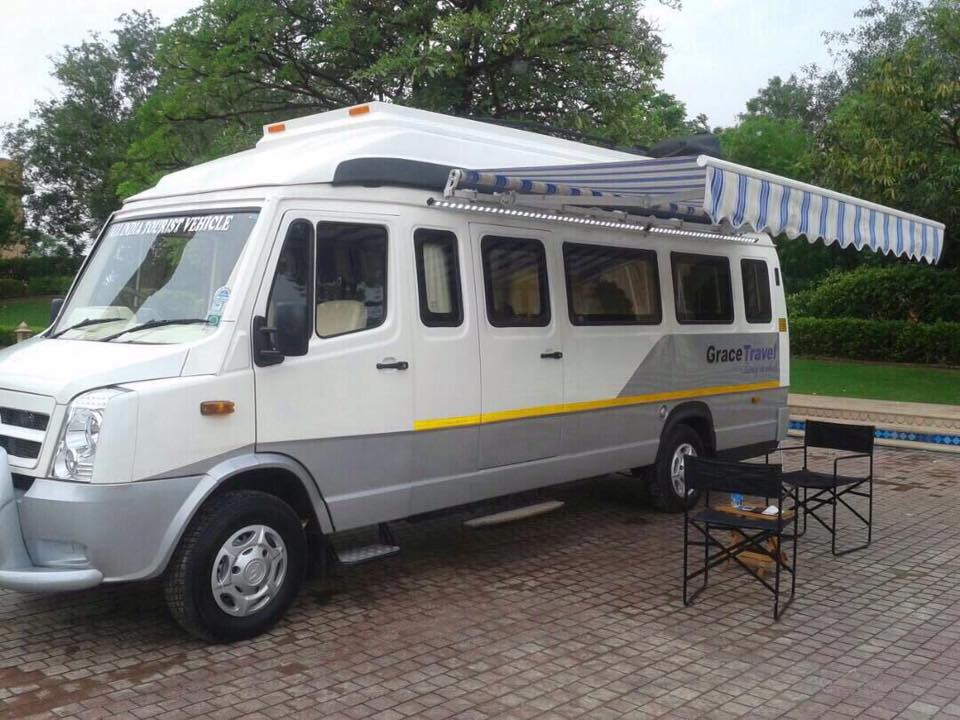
33 267
7 336
900 292
885 340
12 288
52 285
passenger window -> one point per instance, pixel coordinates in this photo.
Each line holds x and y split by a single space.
756 291
701 287
611 285
515 278
351 278
290 295
438 278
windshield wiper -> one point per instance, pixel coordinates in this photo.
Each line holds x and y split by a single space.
83 324
152 324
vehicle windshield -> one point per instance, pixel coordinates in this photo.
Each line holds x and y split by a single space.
157 279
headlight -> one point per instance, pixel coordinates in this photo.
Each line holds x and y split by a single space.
77 449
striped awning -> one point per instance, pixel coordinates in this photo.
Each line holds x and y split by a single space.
723 192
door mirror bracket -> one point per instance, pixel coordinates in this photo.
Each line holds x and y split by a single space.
265 350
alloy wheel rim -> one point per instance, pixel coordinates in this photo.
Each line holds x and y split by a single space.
248 570
676 468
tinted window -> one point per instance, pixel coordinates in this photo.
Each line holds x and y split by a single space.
351 277
756 291
290 294
611 285
438 278
701 286
515 277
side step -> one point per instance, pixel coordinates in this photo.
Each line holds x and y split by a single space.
387 547
520 513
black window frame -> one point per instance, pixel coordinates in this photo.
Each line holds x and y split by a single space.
311 281
386 273
427 316
720 260
489 242
758 320
646 253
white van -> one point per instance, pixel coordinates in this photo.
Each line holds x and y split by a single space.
350 325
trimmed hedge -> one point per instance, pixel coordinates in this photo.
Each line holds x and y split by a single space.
7 336
49 285
12 288
899 292
28 268
884 340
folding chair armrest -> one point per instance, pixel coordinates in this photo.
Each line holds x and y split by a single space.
836 461
766 456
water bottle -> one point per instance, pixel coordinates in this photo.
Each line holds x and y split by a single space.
736 499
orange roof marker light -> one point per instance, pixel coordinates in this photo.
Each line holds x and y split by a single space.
358 110
276 128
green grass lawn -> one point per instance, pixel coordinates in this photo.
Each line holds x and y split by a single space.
34 310
907 383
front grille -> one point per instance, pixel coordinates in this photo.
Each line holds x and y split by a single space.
19 447
23 418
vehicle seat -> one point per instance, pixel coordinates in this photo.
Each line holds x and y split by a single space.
336 317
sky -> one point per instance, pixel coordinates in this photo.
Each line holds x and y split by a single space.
721 51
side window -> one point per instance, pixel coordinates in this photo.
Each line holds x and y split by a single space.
289 307
611 285
702 290
438 278
515 279
351 278
756 291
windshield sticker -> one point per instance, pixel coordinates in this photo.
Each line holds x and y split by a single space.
156 226
219 301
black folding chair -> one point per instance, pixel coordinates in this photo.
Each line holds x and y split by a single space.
821 489
760 534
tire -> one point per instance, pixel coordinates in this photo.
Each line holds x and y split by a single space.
254 546
681 439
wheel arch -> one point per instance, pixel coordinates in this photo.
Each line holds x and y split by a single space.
697 416
274 473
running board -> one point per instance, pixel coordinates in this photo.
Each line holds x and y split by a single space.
387 547
520 513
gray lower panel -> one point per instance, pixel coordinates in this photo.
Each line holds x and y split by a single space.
372 479
125 531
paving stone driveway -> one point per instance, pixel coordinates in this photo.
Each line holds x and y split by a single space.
575 614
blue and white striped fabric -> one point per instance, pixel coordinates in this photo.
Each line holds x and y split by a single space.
723 191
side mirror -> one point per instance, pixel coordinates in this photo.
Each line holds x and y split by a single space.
55 305
265 343
293 333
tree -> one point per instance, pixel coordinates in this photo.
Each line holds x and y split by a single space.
68 145
229 66
895 136
8 220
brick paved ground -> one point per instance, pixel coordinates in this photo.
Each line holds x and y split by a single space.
576 614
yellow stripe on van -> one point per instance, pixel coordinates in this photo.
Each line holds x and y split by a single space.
584 406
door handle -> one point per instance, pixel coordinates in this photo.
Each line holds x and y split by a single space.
551 355
391 364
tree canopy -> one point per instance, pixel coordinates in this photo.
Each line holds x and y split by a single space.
146 100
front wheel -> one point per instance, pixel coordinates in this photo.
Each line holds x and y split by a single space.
667 487
238 566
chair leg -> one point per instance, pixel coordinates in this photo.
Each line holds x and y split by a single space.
870 509
776 581
686 540
833 522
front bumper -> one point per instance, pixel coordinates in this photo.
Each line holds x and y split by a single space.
69 536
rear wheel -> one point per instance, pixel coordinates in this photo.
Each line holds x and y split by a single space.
667 488
238 567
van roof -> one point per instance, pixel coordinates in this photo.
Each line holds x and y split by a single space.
309 149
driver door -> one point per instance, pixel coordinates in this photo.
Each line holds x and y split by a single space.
341 403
